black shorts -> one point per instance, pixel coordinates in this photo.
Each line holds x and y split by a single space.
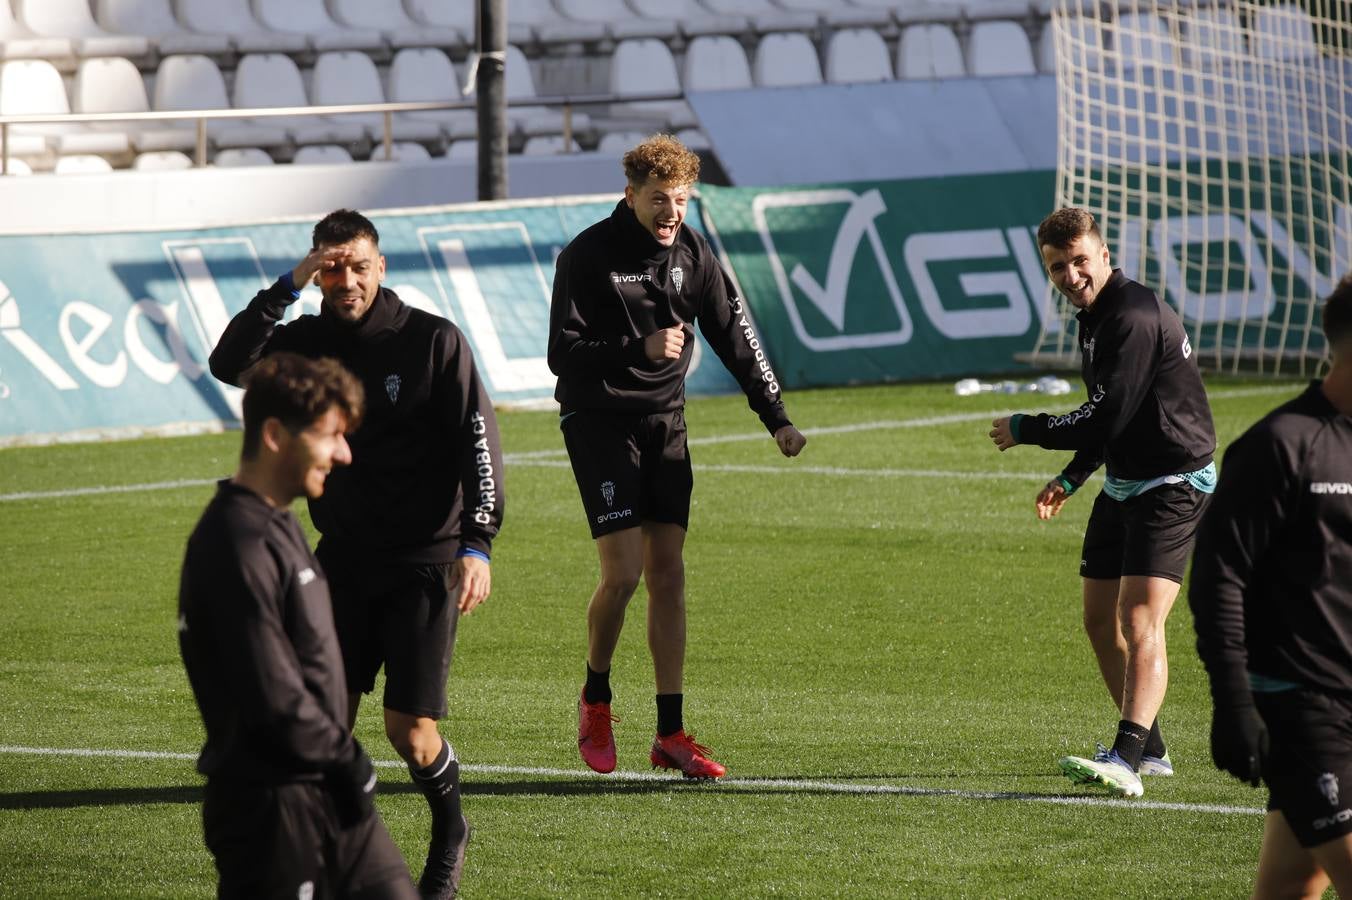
271 840
1308 769
400 616
630 468
1149 534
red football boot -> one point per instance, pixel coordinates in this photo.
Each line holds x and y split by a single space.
679 751
595 740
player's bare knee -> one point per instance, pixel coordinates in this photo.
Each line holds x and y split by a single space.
618 587
416 740
666 582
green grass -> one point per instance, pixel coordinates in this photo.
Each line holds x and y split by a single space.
912 630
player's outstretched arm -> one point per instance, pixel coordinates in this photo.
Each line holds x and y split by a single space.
1002 433
790 440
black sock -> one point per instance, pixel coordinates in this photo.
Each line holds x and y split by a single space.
597 688
440 784
669 713
1130 742
1154 745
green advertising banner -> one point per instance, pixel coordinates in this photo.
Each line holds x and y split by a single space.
890 281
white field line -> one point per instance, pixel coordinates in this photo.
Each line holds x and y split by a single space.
557 457
749 784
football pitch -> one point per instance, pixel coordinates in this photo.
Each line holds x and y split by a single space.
884 649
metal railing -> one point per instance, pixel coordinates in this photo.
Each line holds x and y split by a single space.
565 104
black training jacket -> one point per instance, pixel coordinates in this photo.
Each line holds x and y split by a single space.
1271 589
255 628
614 285
1147 413
429 437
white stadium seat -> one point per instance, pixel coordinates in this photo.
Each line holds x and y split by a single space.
716 63
389 18
309 18
459 15
856 55
694 138
404 152
192 81
242 156
425 75
82 164
787 60
619 17
646 66
532 120
72 19
162 161
548 145
617 143
764 15
155 20
999 48
321 155
111 84
929 51
264 80
18 167
34 87
694 19
20 43
234 19
346 77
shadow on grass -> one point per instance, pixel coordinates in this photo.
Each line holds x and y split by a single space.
101 797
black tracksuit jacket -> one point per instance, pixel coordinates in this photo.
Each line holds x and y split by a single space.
614 285
255 628
1147 413
1271 589
428 440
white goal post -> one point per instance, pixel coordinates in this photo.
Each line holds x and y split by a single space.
1213 140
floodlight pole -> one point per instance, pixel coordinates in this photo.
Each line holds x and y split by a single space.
492 103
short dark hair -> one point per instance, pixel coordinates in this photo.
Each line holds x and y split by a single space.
1337 315
298 391
342 226
1062 227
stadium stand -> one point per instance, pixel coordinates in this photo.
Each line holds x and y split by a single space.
73 20
161 161
155 20
786 59
82 164
309 18
348 78
234 19
857 55
426 75
392 22
646 66
716 63
113 84
999 48
321 154
929 51
242 156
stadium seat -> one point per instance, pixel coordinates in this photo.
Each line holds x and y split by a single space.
18 166
20 43
692 18
999 48
716 63
192 81
548 145
346 77
425 75
646 66
929 51
548 25
389 19
234 19
72 19
242 156
467 150
112 84
1211 37
694 138
154 19
460 16
856 55
1282 32
321 155
618 17
82 164
34 87
617 143
764 15
786 60
264 80
309 18
1144 39
161 161
403 152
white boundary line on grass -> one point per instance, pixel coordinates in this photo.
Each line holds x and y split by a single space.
556 458
750 784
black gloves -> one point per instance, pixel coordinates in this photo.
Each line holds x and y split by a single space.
352 785
1239 739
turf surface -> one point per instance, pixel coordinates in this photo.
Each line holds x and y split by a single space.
885 651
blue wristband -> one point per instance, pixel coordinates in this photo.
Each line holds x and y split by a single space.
1065 485
288 282
470 551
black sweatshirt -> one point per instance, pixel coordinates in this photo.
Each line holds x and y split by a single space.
1271 589
255 628
428 439
614 285
1147 413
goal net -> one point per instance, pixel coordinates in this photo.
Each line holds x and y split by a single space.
1212 140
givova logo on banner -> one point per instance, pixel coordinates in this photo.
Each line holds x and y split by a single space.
828 251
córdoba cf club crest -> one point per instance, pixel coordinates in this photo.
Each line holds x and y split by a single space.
608 492
677 276
392 383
